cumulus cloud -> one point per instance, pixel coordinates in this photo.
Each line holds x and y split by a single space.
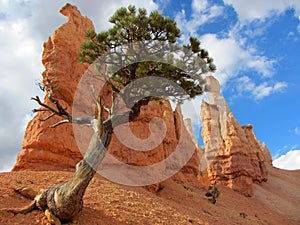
289 161
202 12
232 57
260 10
232 52
258 91
100 11
20 69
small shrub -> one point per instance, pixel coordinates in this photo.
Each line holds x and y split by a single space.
244 215
213 193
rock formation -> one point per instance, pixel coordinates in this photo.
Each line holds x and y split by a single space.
55 149
234 156
267 154
190 174
47 148
172 151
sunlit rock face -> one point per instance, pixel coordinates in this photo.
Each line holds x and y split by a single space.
234 156
44 148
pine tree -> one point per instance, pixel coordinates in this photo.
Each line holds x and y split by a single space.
121 50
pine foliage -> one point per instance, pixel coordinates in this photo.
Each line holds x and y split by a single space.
141 45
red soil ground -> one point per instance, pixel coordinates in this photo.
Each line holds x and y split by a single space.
274 202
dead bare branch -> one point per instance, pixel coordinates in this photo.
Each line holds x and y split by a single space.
47 117
47 107
59 123
58 109
112 121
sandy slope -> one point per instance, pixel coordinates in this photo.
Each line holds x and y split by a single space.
274 202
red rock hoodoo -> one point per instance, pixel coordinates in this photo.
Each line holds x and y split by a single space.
234 156
49 149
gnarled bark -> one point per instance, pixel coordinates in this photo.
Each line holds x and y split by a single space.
64 201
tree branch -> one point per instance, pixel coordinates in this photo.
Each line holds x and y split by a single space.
47 117
47 107
59 123
58 109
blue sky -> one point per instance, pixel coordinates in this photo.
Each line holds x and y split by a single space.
257 50
255 44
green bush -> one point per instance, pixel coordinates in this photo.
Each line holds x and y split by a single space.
213 193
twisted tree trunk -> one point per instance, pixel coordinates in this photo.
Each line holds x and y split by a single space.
64 201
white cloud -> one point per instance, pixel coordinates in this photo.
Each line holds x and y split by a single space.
297 130
246 85
233 52
191 109
202 12
233 58
289 161
20 69
98 11
264 89
4 4
101 11
7 164
259 10
163 4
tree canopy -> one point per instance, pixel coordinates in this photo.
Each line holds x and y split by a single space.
141 45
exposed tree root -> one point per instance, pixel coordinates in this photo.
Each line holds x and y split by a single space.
24 210
50 219
40 202
26 192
